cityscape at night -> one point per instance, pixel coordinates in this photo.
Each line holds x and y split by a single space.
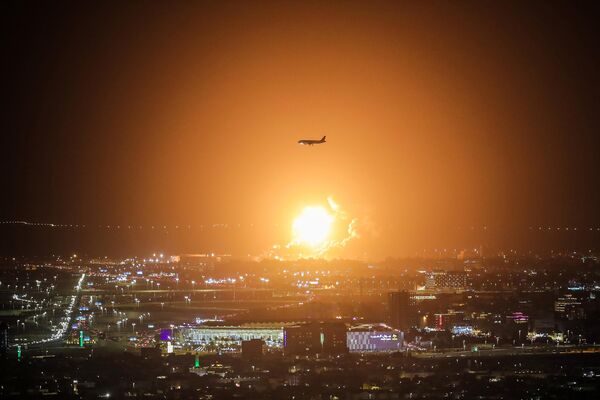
339 200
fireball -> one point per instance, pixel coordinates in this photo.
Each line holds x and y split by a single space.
313 226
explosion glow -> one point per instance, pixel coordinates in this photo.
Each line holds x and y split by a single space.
313 226
318 231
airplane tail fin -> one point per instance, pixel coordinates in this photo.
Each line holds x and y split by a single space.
323 138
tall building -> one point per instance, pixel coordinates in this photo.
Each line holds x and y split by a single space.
401 314
334 339
315 338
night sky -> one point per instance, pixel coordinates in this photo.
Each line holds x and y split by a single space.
439 116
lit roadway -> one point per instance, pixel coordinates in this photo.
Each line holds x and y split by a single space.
60 330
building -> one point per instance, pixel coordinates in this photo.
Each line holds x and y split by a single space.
569 307
445 321
401 314
229 338
253 348
446 280
301 339
374 338
315 338
334 338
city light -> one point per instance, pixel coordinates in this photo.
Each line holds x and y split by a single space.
300 200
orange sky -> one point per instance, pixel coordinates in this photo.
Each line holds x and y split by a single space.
437 114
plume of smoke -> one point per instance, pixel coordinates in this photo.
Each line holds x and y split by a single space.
342 216
352 232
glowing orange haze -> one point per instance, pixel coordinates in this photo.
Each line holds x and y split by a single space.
404 136
418 106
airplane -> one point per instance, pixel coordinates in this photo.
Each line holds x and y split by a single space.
310 142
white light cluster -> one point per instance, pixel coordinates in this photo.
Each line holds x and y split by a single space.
212 281
61 329
16 297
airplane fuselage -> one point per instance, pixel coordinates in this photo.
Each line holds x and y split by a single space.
311 142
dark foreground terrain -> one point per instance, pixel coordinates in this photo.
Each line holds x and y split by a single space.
90 374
